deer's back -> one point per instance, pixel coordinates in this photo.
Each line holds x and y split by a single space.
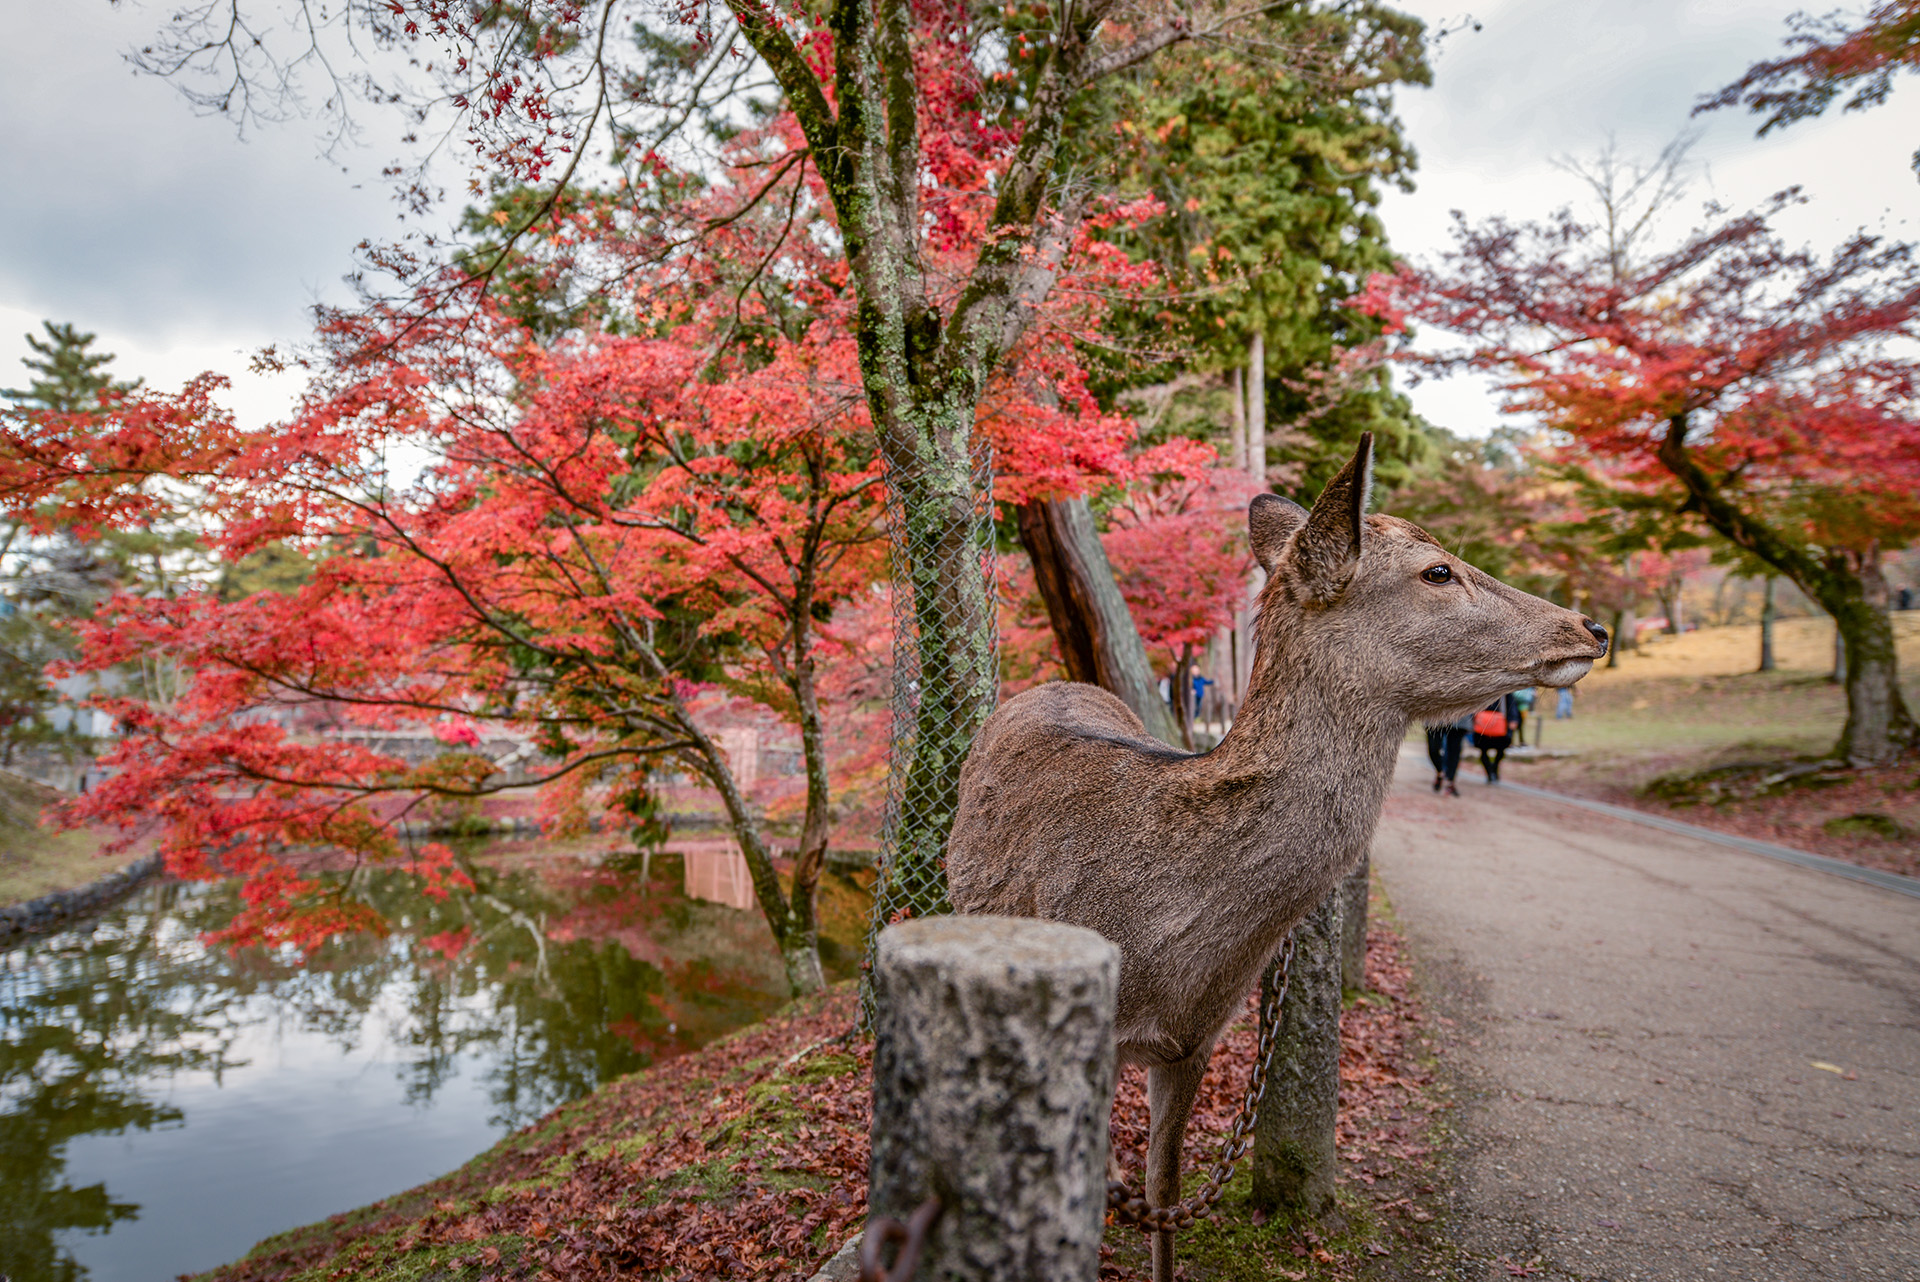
1057 780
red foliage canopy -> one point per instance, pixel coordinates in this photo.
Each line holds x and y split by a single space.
1778 354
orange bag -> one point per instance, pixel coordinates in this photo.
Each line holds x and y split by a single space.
1489 723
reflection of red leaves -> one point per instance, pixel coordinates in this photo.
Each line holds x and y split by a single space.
448 943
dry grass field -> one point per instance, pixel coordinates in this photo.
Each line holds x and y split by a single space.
1683 705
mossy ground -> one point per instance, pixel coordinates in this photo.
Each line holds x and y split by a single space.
745 1158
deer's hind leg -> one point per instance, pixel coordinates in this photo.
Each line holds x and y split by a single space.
1171 1091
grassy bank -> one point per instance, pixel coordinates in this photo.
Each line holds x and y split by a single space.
748 1158
1686 727
36 861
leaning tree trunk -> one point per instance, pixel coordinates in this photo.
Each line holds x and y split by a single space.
795 933
1847 584
1098 640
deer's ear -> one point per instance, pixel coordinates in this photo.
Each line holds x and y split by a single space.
1330 543
1271 520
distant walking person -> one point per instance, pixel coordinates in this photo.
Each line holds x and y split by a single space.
1443 750
1524 700
1563 710
1493 729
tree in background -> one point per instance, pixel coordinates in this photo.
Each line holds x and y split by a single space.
67 374
57 575
600 531
1180 557
1748 381
1834 54
1269 187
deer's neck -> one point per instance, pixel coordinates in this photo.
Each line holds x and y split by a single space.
1304 773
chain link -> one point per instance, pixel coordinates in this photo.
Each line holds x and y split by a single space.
909 1240
1129 1206
939 699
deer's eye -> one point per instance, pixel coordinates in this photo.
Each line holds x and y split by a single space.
1437 574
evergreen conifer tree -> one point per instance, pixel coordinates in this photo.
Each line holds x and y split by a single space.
68 375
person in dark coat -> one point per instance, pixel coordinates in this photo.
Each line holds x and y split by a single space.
1493 728
1443 750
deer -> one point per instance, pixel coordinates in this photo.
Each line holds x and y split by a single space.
1196 866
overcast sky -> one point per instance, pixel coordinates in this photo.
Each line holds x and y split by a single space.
187 248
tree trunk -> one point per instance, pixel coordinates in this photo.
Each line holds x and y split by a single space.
815 827
1619 639
1847 584
1098 639
1670 603
1293 1148
1353 926
1878 725
942 558
1053 575
1839 674
1237 423
1766 624
797 939
1257 409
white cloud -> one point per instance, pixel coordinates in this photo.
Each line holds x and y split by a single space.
182 246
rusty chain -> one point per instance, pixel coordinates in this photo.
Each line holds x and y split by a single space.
1130 1207
909 1240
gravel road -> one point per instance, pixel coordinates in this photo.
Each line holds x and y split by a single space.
1674 1060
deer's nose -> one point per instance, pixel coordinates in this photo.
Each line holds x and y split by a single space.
1598 633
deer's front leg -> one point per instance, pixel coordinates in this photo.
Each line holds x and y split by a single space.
1171 1090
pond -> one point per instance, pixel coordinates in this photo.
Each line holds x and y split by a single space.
164 1106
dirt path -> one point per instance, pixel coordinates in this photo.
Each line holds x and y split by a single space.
1641 1023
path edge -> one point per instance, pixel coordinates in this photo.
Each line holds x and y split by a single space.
1893 881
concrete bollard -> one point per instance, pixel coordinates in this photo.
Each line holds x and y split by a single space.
993 1073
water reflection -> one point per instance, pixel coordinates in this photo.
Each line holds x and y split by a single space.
162 1107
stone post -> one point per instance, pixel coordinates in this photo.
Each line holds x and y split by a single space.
993 1074
1353 926
1293 1157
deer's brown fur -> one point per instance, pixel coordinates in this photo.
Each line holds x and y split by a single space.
1197 866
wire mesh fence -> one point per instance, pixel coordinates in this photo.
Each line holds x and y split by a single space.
945 679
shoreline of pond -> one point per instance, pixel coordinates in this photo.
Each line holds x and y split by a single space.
234 1094
59 909
748 1156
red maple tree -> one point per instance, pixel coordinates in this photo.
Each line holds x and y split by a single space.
606 524
1749 380
1831 55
